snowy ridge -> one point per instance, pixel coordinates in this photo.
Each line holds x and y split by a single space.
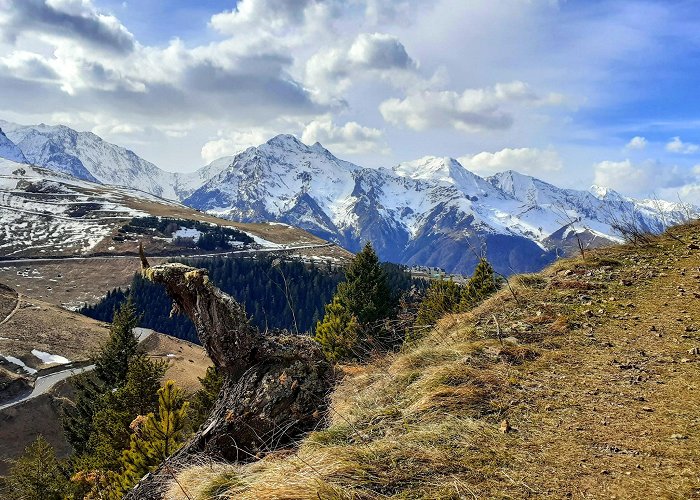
86 156
41 211
9 150
430 211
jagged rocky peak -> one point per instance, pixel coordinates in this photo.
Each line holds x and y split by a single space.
9 150
447 171
286 142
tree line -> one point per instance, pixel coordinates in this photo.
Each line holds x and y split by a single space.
276 294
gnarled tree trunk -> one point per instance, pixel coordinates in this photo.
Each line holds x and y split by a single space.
275 387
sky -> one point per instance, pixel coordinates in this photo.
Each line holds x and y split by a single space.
575 92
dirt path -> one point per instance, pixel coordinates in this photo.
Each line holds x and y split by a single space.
614 410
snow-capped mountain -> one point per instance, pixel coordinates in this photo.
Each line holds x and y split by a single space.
87 156
430 211
9 150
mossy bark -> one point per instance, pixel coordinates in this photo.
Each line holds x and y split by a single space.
275 386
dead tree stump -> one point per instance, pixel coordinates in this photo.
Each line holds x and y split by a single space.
275 386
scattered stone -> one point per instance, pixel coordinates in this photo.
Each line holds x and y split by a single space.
505 427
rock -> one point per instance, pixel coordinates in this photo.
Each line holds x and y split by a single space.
679 436
652 328
647 408
693 246
505 427
625 282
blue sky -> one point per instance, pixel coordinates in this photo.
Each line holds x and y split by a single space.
574 92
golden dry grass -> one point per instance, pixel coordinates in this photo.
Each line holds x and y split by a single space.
593 363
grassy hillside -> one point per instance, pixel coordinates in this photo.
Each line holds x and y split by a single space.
581 382
21 424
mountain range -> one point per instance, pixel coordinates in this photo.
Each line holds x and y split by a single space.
431 211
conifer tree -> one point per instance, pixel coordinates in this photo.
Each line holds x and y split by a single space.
110 372
337 332
203 400
442 297
352 320
365 292
37 474
156 436
483 283
138 396
113 362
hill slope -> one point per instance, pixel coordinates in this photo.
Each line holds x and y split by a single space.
580 383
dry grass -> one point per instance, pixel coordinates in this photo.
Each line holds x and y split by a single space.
593 367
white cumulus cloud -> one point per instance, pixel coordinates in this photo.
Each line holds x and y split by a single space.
531 161
676 145
472 110
232 142
350 138
637 142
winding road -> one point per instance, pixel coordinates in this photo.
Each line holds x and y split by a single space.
283 248
45 383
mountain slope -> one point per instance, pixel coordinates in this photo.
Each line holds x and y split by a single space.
86 156
9 149
579 387
44 213
430 211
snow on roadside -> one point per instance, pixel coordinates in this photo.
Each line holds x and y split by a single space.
265 243
48 358
20 363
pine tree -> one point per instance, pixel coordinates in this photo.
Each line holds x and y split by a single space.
483 283
337 332
77 420
113 362
110 372
138 396
365 292
37 474
156 436
203 400
442 297
352 321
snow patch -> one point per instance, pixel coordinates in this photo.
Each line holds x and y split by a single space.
48 358
19 362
